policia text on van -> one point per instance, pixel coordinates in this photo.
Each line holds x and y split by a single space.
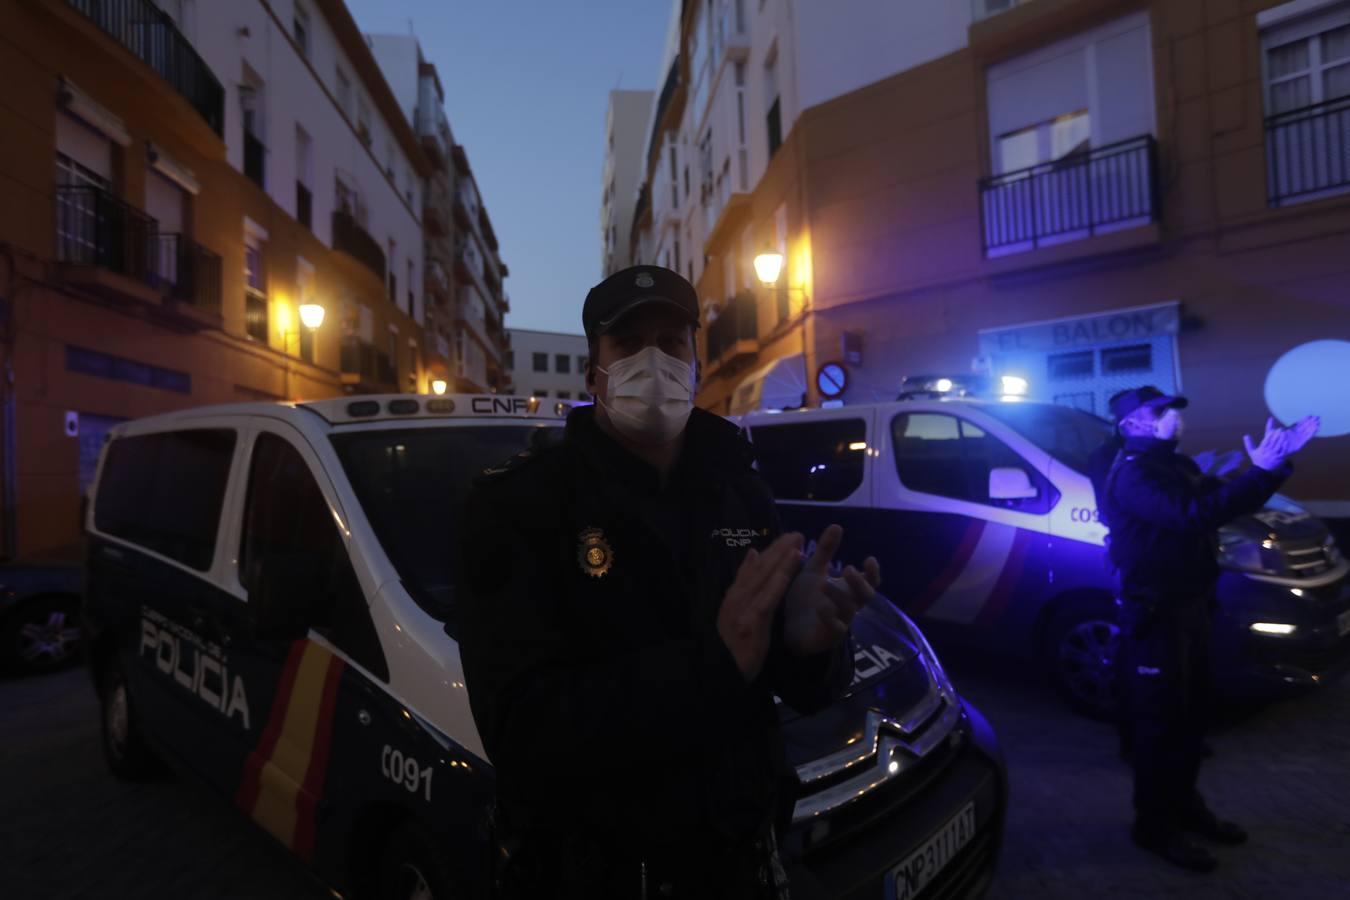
267 603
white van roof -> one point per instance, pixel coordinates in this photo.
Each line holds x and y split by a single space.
363 408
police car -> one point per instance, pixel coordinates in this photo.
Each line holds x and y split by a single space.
271 607
986 525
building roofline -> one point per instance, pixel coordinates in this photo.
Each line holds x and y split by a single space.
353 43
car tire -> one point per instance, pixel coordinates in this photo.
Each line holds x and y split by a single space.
42 635
124 748
1081 644
412 867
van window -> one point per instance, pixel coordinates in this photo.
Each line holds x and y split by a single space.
287 516
412 484
812 460
947 456
165 491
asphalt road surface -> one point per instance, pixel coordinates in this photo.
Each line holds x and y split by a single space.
68 829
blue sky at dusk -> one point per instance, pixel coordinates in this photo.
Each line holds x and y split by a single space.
526 87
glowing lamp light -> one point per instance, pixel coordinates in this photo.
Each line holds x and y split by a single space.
943 385
858 445
311 315
893 767
438 385
1014 385
768 266
1280 628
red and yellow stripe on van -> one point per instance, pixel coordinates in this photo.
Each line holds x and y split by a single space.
283 776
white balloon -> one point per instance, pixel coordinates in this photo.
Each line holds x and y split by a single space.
1313 379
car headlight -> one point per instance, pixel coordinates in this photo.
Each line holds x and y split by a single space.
930 658
1243 554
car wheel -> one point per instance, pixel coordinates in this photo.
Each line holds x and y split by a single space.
1082 646
123 747
412 868
43 635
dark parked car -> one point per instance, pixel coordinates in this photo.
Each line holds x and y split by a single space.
40 613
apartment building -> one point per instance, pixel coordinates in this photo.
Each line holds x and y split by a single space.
464 272
204 203
626 121
1086 194
548 364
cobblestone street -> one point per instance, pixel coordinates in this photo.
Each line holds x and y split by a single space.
70 830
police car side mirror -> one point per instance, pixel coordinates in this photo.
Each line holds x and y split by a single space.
279 596
1011 483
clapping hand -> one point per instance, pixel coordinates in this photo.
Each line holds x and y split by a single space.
1279 444
820 608
1301 432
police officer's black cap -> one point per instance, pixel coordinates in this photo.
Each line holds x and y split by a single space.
1125 403
638 286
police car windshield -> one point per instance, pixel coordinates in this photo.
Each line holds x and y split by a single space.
412 484
1069 435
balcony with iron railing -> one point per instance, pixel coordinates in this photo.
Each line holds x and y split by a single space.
96 230
434 133
733 337
150 34
366 368
1109 189
438 283
190 273
255 159
1308 152
468 262
353 240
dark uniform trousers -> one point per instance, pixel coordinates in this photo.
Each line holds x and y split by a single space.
1167 694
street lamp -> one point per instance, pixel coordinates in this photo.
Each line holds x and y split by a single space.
768 268
311 318
438 385
311 315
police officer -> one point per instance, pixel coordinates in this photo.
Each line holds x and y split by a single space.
1164 516
633 610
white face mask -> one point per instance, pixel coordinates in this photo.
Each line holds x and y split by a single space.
649 396
1169 426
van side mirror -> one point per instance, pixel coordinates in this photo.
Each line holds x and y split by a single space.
1011 483
280 595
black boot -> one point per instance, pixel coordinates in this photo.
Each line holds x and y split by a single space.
1211 827
1175 847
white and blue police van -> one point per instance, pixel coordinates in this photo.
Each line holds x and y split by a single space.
980 508
271 607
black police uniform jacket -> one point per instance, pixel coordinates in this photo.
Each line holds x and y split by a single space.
605 698
1164 515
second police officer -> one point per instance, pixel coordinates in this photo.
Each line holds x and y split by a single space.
1164 515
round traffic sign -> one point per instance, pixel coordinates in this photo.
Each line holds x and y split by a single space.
832 380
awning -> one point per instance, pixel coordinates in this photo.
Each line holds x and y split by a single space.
779 385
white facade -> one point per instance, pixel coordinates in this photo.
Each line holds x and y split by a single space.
312 126
534 364
745 56
625 137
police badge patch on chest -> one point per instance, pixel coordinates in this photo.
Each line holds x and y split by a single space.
594 553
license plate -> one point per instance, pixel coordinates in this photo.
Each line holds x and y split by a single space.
1343 623
923 865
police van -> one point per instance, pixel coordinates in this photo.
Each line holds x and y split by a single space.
270 606
982 514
